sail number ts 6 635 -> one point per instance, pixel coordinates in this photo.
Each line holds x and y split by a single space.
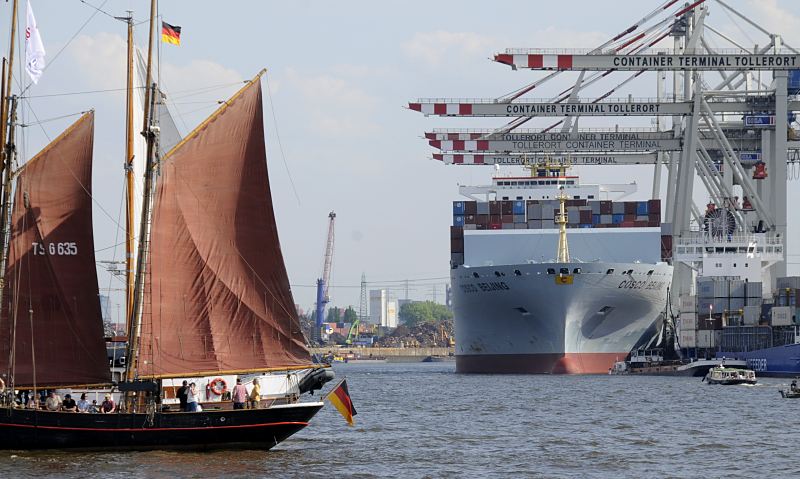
55 249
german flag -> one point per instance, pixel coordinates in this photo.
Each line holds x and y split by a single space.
170 34
340 398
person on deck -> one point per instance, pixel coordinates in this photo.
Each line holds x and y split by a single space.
93 409
191 398
239 395
108 405
53 402
793 387
181 395
83 404
255 394
33 402
68 404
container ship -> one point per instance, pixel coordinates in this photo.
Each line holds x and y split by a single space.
524 306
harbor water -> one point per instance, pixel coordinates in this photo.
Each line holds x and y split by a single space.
423 420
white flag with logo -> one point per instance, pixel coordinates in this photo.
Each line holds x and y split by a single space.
34 49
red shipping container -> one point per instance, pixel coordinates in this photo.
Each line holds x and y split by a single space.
640 223
586 217
630 208
628 224
653 224
457 245
469 220
495 208
482 220
507 207
628 217
456 232
654 217
507 218
495 226
606 207
495 219
470 208
654 206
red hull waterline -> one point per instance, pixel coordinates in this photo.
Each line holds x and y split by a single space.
549 363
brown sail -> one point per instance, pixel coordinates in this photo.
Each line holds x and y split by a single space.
51 311
218 297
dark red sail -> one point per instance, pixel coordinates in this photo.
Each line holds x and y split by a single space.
51 309
218 297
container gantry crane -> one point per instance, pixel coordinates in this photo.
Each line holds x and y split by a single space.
322 283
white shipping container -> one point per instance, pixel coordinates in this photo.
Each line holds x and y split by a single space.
688 304
752 315
687 339
688 322
790 282
783 315
708 338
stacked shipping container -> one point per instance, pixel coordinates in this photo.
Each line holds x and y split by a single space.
541 214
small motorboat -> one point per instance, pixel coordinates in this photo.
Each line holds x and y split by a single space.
730 376
792 393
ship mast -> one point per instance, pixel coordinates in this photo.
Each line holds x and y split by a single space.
149 132
129 179
6 148
563 247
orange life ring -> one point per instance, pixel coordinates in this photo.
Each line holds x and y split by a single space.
218 386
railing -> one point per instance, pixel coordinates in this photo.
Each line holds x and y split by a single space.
491 101
613 51
542 130
705 238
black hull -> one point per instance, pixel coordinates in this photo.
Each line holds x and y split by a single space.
248 428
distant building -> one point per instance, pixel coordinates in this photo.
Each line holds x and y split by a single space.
382 310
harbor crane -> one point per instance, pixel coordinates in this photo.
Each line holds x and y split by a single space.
323 297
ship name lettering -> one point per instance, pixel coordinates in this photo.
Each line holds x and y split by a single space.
469 288
493 286
633 284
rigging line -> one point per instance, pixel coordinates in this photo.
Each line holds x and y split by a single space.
47 120
205 89
278 136
109 247
58 155
69 42
99 9
108 90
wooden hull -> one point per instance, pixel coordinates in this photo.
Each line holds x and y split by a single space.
248 428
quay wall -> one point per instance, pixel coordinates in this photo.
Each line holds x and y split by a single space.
398 354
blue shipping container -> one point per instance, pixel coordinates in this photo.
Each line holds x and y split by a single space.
641 208
458 220
794 82
617 219
458 207
519 208
595 219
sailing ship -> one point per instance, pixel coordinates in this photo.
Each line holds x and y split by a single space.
210 295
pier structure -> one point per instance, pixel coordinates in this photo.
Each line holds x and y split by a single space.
725 121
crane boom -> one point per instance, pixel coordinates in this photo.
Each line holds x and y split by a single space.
322 283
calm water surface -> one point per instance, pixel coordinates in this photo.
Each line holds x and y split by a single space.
423 420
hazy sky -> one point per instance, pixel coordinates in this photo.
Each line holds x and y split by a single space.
340 75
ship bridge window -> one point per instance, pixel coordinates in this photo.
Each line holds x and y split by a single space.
576 271
551 271
571 182
564 270
476 275
518 272
610 271
591 197
576 197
